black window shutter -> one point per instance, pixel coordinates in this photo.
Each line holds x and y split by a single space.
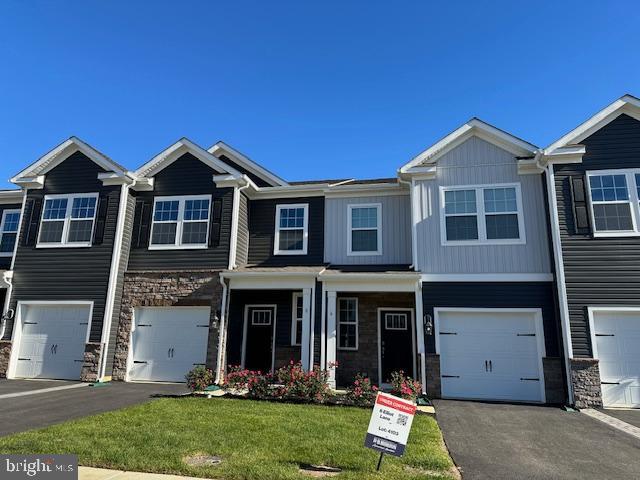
34 206
214 228
579 198
141 223
101 219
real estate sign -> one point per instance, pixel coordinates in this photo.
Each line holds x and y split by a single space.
390 424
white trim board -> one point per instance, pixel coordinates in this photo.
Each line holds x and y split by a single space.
351 229
486 277
305 229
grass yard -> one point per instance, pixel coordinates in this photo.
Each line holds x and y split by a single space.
256 440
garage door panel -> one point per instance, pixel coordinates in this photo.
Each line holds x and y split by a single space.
490 355
169 341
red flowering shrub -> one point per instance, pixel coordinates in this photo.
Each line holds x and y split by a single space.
199 378
296 383
259 386
362 392
238 377
405 387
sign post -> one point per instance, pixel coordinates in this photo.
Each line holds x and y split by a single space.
390 425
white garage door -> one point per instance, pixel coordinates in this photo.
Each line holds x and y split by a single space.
617 346
52 341
168 342
491 355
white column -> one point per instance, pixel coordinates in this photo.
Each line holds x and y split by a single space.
306 326
332 337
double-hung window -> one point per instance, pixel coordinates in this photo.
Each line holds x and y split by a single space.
348 323
483 214
68 220
9 232
296 320
364 229
180 222
292 229
614 203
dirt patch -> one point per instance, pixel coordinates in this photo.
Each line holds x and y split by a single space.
201 460
318 471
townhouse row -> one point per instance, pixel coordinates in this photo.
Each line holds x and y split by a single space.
487 267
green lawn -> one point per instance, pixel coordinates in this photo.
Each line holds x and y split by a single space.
256 440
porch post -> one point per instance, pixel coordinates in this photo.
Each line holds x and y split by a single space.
306 327
420 337
331 337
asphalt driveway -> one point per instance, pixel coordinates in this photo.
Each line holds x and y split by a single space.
632 417
18 386
500 441
39 410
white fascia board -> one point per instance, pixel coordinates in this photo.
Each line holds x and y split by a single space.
269 281
486 277
112 178
143 184
627 104
61 153
474 127
222 148
30 183
292 191
11 196
367 190
175 151
224 181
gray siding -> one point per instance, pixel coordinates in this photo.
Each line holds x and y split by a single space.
396 231
598 271
186 176
242 249
5 262
262 222
122 267
497 295
477 162
60 274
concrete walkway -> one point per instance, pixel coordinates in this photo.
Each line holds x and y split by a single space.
90 473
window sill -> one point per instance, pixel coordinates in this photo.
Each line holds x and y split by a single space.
290 252
347 349
6 254
476 243
364 254
178 247
63 245
615 234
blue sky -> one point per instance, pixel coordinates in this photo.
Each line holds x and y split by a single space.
320 89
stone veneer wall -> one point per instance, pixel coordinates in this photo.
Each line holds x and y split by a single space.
365 359
585 378
166 289
5 353
554 383
433 375
91 365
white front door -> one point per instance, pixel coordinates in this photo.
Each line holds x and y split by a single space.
168 342
52 341
617 346
491 354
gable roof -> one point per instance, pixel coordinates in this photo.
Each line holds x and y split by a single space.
627 104
474 127
221 148
175 151
60 153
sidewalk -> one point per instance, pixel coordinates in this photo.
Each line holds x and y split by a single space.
90 473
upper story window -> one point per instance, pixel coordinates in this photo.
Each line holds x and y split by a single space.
296 319
292 229
348 323
614 202
482 214
180 222
9 232
364 234
68 220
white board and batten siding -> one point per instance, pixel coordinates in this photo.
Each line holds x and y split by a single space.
478 162
396 231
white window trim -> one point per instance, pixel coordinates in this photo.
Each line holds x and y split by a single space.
339 323
350 229
294 319
406 320
480 214
633 201
305 229
181 199
263 310
5 213
64 243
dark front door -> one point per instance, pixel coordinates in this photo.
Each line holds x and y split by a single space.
260 320
396 342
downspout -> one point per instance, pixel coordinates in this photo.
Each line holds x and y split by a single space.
113 279
560 278
222 331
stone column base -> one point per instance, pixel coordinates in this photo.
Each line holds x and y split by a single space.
91 365
5 354
585 378
432 361
554 384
